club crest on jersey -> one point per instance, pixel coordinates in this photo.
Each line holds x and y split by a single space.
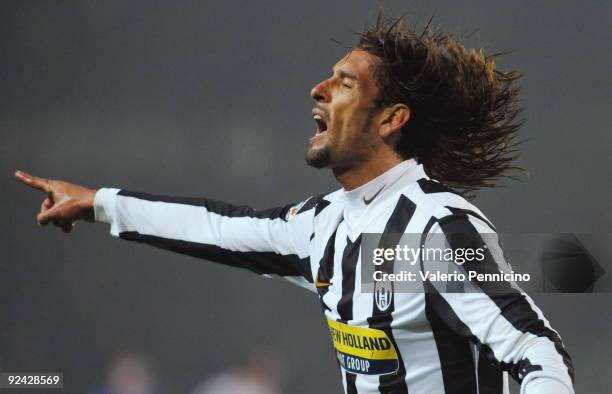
383 295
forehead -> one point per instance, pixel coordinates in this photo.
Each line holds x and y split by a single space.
359 63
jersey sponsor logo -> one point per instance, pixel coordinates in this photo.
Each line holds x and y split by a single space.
362 350
383 295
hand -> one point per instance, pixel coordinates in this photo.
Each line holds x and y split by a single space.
65 203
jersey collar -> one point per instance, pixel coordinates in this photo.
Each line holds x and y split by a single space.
408 171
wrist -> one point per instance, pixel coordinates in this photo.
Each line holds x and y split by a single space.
88 205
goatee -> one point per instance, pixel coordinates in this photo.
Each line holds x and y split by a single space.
317 158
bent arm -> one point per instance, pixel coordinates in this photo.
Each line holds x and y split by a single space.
499 317
264 242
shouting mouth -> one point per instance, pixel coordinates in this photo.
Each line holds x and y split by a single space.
320 126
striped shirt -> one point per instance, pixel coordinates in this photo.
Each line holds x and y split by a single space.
427 342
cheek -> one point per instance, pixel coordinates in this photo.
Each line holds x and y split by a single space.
345 118
352 121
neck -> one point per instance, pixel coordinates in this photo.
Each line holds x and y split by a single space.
359 175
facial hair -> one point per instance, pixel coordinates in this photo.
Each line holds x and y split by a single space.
318 157
322 157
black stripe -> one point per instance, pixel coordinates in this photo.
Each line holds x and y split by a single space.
349 265
456 361
326 268
513 305
490 375
444 312
321 206
218 207
351 388
258 262
489 369
350 257
428 186
426 231
394 229
311 203
458 211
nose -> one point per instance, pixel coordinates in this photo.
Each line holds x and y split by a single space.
320 92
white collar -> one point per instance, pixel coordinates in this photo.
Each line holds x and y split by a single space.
408 171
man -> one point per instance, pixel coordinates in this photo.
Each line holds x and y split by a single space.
399 110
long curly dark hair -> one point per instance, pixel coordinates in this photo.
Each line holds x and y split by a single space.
464 112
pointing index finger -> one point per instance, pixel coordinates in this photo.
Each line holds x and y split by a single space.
35 182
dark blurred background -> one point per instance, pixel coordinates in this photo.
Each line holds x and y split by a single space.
211 98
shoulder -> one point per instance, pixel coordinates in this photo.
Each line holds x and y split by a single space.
436 200
311 205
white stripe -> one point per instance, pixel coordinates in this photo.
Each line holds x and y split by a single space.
197 224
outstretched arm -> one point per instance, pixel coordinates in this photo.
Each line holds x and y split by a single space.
270 242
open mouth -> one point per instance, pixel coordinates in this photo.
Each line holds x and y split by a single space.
321 125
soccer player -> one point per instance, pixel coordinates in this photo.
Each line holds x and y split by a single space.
409 123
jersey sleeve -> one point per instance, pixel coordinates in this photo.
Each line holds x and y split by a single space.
273 242
498 317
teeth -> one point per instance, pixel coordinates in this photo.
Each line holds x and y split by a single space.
321 125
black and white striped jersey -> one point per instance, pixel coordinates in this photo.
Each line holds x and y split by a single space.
426 342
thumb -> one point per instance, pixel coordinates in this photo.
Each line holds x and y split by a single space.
50 215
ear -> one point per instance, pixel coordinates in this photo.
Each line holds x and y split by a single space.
393 118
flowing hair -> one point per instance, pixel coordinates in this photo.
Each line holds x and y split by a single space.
463 110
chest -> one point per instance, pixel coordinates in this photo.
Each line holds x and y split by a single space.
339 260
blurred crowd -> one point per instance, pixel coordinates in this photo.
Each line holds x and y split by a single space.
262 372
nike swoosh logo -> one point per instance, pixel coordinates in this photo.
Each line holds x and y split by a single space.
368 201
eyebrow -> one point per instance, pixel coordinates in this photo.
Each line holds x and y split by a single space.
345 74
